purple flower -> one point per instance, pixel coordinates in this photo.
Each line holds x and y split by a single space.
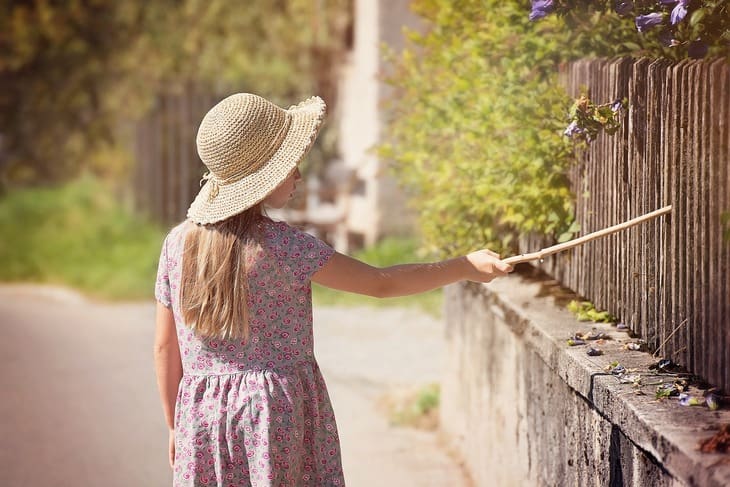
678 12
623 7
616 106
697 49
646 22
687 400
573 129
540 8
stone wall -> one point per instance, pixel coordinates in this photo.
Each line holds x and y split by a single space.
522 408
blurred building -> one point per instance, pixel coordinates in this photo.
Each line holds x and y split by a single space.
353 201
364 203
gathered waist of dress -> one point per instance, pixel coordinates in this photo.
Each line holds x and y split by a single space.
199 370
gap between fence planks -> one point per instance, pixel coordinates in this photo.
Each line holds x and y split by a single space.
518 259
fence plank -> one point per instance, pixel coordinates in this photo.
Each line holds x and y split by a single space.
673 148
168 168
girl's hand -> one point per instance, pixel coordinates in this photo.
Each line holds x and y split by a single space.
172 449
486 266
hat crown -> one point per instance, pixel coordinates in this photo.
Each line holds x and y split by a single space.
250 146
239 134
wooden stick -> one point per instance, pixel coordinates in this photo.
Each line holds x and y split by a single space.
518 259
676 328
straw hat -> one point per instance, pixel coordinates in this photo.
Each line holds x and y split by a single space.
250 146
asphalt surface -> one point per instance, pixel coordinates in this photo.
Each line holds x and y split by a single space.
79 404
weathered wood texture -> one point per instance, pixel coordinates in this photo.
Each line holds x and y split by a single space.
168 171
673 149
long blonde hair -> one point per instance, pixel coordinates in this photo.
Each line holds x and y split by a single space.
214 287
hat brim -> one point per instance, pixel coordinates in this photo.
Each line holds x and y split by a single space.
233 198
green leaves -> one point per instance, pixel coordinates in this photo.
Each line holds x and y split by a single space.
73 73
655 28
78 235
587 119
697 17
567 235
586 311
476 127
479 115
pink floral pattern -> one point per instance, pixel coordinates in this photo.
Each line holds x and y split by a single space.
255 413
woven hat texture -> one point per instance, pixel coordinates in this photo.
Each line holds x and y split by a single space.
250 146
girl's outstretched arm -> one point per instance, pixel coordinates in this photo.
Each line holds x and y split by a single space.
168 367
348 274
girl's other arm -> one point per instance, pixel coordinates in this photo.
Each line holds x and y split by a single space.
348 274
168 367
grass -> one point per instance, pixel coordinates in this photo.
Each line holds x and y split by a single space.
78 235
390 251
586 311
416 408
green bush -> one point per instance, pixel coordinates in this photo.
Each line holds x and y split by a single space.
474 133
478 116
586 311
78 235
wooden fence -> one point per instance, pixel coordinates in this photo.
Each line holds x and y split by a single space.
668 279
168 171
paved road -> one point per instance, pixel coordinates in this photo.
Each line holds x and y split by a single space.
79 404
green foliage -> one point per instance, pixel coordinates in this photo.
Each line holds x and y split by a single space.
78 235
725 222
476 132
586 311
702 30
570 233
391 251
478 115
588 119
58 65
663 393
593 29
419 409
73 73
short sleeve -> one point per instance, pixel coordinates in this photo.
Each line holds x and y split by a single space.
305 253
162 284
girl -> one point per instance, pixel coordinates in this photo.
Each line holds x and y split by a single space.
243 397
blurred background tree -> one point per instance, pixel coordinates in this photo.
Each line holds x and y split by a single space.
88 86
74 72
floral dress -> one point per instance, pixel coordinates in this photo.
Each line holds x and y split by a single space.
255 413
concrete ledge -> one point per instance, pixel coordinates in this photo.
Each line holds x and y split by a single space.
514 319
